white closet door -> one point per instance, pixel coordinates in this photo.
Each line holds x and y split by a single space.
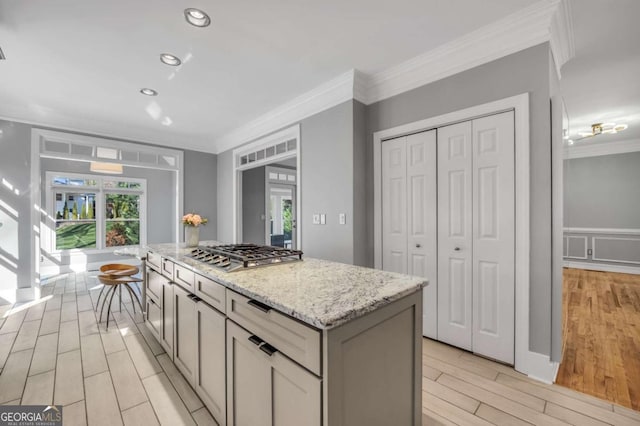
494 238
394 202
455 235
422 222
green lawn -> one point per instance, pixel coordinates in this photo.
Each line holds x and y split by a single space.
76 235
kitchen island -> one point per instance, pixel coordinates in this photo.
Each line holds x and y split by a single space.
311 342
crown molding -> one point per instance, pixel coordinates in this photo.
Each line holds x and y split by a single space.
525 28
562 37
323 97
598 149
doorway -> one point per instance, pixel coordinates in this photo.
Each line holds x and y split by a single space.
525 361
601 274
448 213
267 191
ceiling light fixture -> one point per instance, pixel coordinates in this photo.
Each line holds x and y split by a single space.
169 59
108 168
602 129
196 17
148 92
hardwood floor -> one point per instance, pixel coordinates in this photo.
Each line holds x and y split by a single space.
53 351
602 335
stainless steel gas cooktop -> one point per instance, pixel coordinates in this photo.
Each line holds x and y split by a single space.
232 257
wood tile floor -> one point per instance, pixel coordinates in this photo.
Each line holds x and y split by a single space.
54 351
602 335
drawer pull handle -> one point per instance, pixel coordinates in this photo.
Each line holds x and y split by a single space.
256 340
260 306
268 349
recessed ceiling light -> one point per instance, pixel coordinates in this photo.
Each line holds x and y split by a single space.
148 92
170 59
197 17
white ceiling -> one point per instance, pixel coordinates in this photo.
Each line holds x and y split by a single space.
80 64
602 82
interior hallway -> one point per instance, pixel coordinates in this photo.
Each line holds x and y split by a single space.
602 335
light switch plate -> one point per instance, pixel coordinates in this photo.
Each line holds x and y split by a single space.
316 219
323 219
342 219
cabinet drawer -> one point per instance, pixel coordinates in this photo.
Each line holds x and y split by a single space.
154 317
294 339
154 261
167 268
184 277
211 292
154 285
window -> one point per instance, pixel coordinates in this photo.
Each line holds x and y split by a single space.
94 212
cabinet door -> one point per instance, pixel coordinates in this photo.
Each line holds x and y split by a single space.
267 388
295 398
184 338
166 327
248 381
210 362
154 317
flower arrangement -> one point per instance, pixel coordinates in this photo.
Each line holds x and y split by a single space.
192 219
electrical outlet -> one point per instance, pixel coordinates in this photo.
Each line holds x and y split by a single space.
323 219
342 219
316 219
590 252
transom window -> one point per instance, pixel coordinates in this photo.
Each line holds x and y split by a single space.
90 212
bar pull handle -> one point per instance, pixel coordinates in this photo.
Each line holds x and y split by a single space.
268 349
256 340
258 305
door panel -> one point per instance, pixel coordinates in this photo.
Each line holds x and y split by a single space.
184 345
394 201
494 237
210 366
454 234
422 224
248 381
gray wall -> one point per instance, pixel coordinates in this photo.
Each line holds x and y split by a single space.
253 200
557 142
360 218
327 179
15 211
201 189
525 71
603 191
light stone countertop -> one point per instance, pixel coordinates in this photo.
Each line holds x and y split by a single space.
320 293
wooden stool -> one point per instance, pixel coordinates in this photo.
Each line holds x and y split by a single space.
114 277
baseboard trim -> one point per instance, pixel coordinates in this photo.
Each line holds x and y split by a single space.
540 367
603 267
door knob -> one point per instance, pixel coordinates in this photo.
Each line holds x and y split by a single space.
418 245
457 249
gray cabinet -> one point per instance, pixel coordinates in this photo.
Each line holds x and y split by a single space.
154 317
264 387
184 338
166 330
210 360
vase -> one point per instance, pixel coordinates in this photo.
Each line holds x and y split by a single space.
192 236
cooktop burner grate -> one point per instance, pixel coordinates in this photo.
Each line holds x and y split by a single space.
231 257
